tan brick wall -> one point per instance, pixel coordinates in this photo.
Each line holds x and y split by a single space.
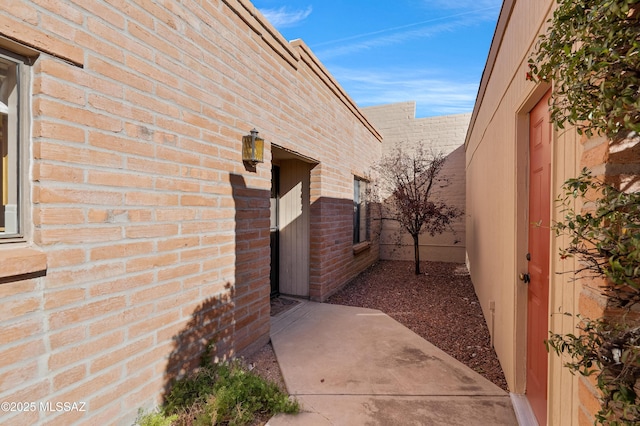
444 134
149 234
618 163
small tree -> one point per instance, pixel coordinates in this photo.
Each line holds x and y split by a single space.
410 179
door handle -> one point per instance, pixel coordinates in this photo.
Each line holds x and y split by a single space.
525 278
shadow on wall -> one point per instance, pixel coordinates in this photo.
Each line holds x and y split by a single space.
622 167
212 321
316 255
238 313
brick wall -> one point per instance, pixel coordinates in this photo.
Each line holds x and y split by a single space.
148 236
444 134
618 163
333 259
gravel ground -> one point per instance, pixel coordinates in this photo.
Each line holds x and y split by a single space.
265 364
440 305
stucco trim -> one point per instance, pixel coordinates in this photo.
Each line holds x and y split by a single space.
523 410
19 49
290 154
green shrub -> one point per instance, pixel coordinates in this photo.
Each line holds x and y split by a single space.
224 393
192 389
154 419
591 53
606 241
240 394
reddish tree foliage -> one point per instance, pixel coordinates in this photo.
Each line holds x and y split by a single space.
411 178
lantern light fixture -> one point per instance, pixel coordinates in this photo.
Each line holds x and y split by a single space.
252 148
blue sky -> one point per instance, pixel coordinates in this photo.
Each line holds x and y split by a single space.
429 51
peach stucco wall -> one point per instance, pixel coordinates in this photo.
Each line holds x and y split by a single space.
496 216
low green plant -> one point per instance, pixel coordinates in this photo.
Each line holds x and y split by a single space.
155 418
192 389
591 53
223 393
195 387
239 394
605 236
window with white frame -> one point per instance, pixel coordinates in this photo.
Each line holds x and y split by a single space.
360 211
12 76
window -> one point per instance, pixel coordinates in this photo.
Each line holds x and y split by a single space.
12 79
360 211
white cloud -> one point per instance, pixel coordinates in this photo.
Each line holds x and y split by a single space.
282 18
383 38
401 34
434 93
462 4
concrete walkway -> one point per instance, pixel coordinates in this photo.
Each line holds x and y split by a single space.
355 366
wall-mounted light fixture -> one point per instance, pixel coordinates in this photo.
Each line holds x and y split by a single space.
253 148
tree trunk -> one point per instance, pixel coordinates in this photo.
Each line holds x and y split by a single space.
416 252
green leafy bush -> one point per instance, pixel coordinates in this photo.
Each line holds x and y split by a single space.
224 393
605 237
591 53
228 394
155 418
609 349
240 394
192 389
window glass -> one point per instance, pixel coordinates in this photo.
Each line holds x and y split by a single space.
360 211
9 190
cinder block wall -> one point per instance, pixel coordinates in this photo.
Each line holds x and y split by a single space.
147 235
445 134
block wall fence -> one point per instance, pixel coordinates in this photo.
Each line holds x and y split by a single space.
146 234
441 134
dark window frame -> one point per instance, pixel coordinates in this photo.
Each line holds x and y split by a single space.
360 211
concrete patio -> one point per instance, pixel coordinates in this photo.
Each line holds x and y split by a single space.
356 366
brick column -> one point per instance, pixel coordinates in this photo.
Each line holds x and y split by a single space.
617 162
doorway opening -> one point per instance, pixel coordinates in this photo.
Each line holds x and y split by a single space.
290 223
273 231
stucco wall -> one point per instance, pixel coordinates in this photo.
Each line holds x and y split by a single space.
444 134
148 235
497 204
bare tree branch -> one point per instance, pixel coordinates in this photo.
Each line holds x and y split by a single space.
408 181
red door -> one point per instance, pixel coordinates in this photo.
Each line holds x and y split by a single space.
539 238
